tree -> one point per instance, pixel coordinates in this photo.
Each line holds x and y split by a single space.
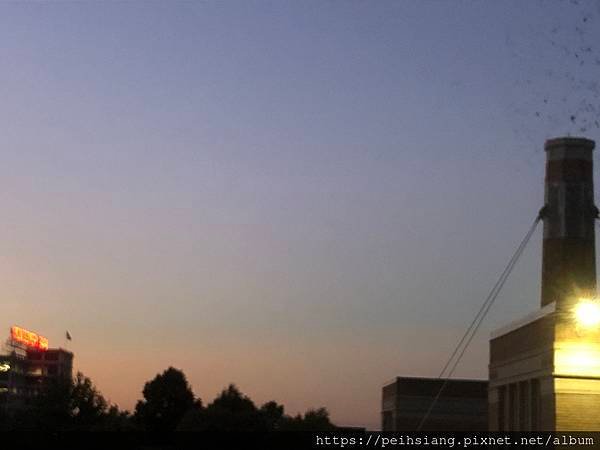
51 409
87 406
117 420
272 415
232 400
193 419
317 420
166 399
232 411
313 420
65 404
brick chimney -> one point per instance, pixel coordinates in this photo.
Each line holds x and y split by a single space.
568 261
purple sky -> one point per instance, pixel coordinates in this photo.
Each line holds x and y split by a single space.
304 198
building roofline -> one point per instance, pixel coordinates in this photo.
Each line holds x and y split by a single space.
525 320
464 380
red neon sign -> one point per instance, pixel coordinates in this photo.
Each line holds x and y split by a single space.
29 338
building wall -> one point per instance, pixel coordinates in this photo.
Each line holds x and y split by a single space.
552 361
577 404
462 405
521 394
526 405
389 396
50 363
28 374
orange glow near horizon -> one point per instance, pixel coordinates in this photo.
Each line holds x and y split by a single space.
29 338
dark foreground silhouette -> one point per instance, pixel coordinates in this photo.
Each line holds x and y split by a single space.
169 406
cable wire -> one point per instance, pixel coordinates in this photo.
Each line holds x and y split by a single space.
477 321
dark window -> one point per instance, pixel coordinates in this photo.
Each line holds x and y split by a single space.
52 370
34 355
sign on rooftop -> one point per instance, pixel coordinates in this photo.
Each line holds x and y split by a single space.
29 338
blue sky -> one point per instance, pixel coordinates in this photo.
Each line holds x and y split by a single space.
304 198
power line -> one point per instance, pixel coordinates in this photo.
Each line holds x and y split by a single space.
477 321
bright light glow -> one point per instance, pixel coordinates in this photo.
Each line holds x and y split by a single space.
28 338
587 313
42 343
579 359
4 367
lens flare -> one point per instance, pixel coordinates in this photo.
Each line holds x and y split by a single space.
587 313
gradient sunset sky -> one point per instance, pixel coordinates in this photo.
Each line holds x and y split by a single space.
304 198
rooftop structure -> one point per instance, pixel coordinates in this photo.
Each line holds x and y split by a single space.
26 365
462 405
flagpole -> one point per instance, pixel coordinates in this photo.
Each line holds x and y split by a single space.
67 338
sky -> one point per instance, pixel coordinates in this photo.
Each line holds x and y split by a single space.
305 199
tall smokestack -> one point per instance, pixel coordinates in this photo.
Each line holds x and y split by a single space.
545 368
569 260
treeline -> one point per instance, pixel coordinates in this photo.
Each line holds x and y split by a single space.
168 405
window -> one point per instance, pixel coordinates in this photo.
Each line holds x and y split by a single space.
35 371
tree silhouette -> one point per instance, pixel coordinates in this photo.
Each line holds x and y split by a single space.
88 407
166 399
272 415
76 404
232 400
194 418
117 420
64 404
232 410
51 408
313 420
317 420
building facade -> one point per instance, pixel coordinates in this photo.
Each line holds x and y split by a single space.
26 366
461 406
545 368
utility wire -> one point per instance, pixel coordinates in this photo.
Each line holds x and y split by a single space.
481 310
477 321
493 292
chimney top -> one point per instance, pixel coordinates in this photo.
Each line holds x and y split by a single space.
569 142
